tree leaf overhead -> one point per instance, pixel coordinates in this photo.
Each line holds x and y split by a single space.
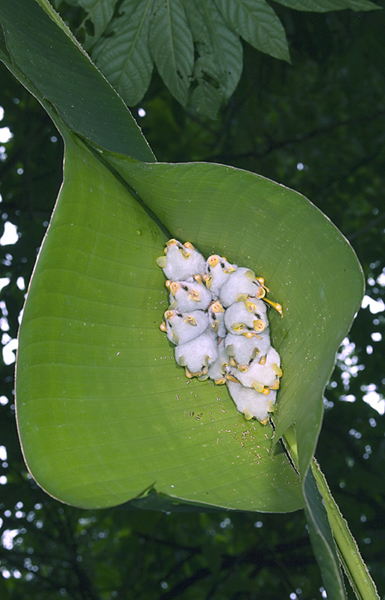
218 68
124 55
258 24
52 62
172 47
99 14
195 44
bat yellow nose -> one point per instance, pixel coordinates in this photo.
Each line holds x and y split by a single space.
259 325
217 307
213 260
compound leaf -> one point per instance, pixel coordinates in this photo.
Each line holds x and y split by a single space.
99 14
218 67
124 56
172 46
258 24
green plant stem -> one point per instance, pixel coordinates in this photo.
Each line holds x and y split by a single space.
348 552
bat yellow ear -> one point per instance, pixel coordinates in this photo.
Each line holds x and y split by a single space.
259 387
277 369
232 378
203 377
163 327
182 361
238 326
189 246
161 262
250 305
254 353
247 414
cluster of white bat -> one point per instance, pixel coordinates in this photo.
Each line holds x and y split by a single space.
218 321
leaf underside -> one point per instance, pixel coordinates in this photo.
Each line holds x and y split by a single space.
104 412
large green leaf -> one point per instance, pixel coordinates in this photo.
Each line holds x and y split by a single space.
48 60
104 412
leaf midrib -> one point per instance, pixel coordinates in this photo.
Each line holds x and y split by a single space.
150 213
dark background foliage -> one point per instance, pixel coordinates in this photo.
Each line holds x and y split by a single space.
318 126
